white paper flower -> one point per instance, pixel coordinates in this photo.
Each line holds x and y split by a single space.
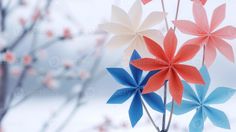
129 31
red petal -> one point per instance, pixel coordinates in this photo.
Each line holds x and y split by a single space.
176 87
170 43
146 1
218 16
148 64
227 32
189 73
156 81
155 49
186 53
188 27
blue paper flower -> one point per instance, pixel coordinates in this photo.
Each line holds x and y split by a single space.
133 86
201 103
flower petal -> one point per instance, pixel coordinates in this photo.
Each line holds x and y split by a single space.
122 76
154 101
148 64
185 107
155 49
227 32
224 48
210 54
170 44
176 87
116 28
136 109
185 53
189 92
121 95
153 34
220 95
217 117
137 73
135 14
147 77
119 41
120 16
218 17
197 123
196 41
188 27
156 81
152 19
189 73
146 1
202 89
200 16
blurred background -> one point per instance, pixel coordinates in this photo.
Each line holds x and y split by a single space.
56 58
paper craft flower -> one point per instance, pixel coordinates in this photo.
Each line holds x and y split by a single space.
134 86
146 1
207 35
203 2
202 104
169 65
129 31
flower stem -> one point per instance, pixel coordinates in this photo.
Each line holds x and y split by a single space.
177 12
203 55
171 115
150 117
164 10
164 114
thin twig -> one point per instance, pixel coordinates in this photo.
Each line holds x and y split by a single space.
171 115
177 12
164 114
203 55
164 10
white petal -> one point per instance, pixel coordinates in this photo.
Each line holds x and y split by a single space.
120 16
153 19
115 28
135 14
153 34
119 41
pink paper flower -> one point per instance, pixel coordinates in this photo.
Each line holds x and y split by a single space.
27 59
209 36
9 57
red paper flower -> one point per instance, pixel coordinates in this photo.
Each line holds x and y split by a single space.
207 34
146 1
169 65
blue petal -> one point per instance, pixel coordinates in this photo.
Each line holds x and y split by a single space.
146 78
120 96
202 89
137 73
185 107
217 117
220 95
154 101
122 76
189 93
197 123
136 109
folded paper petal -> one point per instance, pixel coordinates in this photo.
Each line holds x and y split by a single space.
202 89
196 41
156 81
220 95
146 1
218 16
186 52
120 16
153 34
217 117
227 32
210 54
116 28
185 107
122 76
170 44
154 101
135 14
136 109
200 16
152 19
119 41
146 78
148 64
197 123
203 1
121 95
188 27
155 49
224 48
176 87
189 73
137 73
189 93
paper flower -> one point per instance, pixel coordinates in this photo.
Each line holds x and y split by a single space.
129 31
202 104
134 86
146 1
170 65
208 35
203 2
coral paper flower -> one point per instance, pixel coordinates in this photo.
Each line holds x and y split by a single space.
208 35
202 104
133 86
128 29
169 65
